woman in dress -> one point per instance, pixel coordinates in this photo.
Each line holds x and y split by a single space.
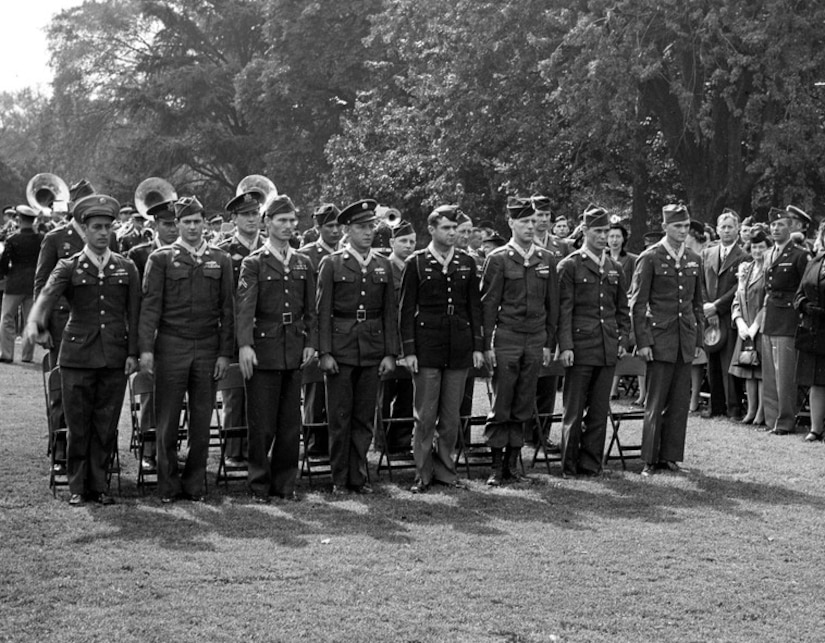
810 367
746 313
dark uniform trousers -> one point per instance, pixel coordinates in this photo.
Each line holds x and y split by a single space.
667 317
183 365
358 326
594 322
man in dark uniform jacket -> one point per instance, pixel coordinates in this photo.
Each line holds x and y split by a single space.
277 333
358 338
17 265
186 340
166 233
132 234
594 333
99 347
440 321
245 212
784 267
666 304
325 242
720 264
520 307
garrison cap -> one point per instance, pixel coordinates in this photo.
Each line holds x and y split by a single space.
463 218
187 206
449 212
675 213
541 203
278 204
80 189
595 216
519 208
359 212
24 211
326 213
164 211
496 239
244 203
403 229
96 205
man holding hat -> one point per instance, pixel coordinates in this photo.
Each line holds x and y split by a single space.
186 340
99 347
520 309
277 333
327 237
440 317
245 212
17 265
358 338
784 267
666 305
594 333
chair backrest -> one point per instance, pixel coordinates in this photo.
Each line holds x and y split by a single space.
55 380
630 365
142 383
46 363
233 379
553 369
311 374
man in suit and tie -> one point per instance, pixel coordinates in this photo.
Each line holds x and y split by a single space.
784 268
720 266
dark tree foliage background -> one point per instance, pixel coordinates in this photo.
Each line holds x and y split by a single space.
628 103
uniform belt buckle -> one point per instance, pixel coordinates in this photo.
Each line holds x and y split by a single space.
360 315
286 318
450 309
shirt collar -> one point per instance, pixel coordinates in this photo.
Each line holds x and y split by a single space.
195 252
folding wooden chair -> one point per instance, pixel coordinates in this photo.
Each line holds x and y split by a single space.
45 369
386 424
140 384
475 453
232 381
319 465
630 365
58 435
542 451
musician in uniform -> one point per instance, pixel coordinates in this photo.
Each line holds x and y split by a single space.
186 339
784 266
520 308
132 234
358 338
594 333
440 322
277 333
99 347
245 213
666 304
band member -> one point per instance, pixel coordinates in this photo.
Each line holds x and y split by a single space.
186 339
594 332
784 268
520 308
440 317
99 347
666 304
278 335
245 213
329 233
358 337
132 234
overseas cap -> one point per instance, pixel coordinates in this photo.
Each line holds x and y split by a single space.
675 213
402 230
278 204
326 213
519 208
187 206
595 217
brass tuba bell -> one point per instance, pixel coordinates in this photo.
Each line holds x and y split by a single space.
44 189
152 191
257 183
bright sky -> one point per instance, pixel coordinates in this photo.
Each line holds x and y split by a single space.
23 50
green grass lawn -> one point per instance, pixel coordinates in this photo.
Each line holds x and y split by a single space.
730 550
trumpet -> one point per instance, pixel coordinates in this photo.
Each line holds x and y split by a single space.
46 189
257 183
152 191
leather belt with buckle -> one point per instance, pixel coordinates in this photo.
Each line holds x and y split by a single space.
286 318
450 309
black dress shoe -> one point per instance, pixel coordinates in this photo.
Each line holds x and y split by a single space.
813 436
260 499
104 499
364 490
76 500
648 471
339 491
191 497
779 432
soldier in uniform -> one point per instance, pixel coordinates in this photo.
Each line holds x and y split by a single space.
99 347
784 267
277 333
132 234
666 304
440 317
245 212
358 338
17 264
326 242
520 308
167 231
186 339
594 333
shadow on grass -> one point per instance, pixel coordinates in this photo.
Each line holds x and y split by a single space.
394 516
